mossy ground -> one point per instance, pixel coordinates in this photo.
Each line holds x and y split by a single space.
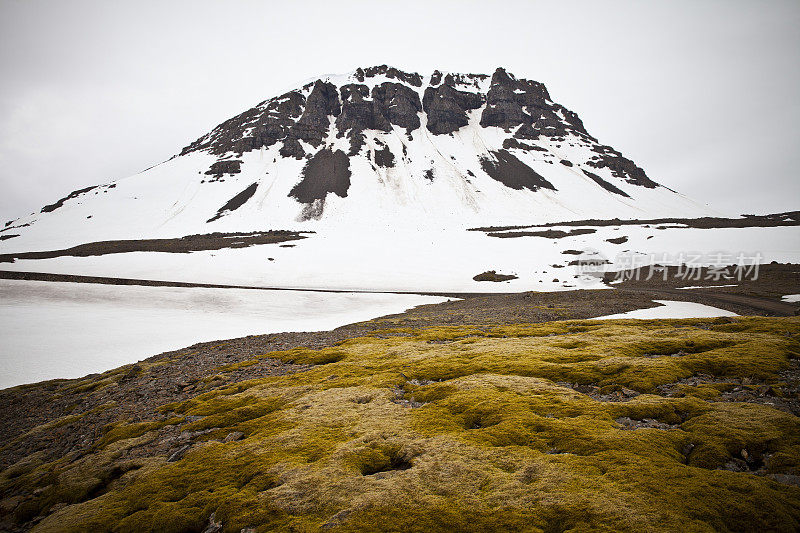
460 429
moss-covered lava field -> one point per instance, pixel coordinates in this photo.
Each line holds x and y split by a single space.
670 425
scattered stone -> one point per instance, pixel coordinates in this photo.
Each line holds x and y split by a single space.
786 479
9 504
213 526
400 399
628 393
234 436
632 424
178 455
337 519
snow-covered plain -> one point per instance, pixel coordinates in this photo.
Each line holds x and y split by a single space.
672 309
67 330
404 258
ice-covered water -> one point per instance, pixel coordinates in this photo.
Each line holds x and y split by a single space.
672 309
66 330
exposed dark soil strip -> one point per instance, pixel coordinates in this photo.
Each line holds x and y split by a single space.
326 172
513 173
190 243
74 194
604 184
71 278
791 218
548 234
236 202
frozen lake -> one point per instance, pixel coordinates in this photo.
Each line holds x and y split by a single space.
67 330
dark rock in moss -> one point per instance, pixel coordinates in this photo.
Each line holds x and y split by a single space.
337 519
233 436
513 173
214 525
492 275
179 453
631 424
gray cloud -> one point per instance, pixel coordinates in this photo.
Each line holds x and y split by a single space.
701 94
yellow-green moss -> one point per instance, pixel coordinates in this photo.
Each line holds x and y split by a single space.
124 430
497 444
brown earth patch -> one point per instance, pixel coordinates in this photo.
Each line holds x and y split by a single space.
190 243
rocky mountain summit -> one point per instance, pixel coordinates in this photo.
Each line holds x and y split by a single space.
382 99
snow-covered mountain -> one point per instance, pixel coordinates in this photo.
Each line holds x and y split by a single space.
377 146
385 171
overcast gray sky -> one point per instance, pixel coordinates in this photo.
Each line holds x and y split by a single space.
702 94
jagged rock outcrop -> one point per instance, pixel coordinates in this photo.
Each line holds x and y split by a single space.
399 104
224 167
621 167
525 103
447 107
412 78
313 124
261 126
359 113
